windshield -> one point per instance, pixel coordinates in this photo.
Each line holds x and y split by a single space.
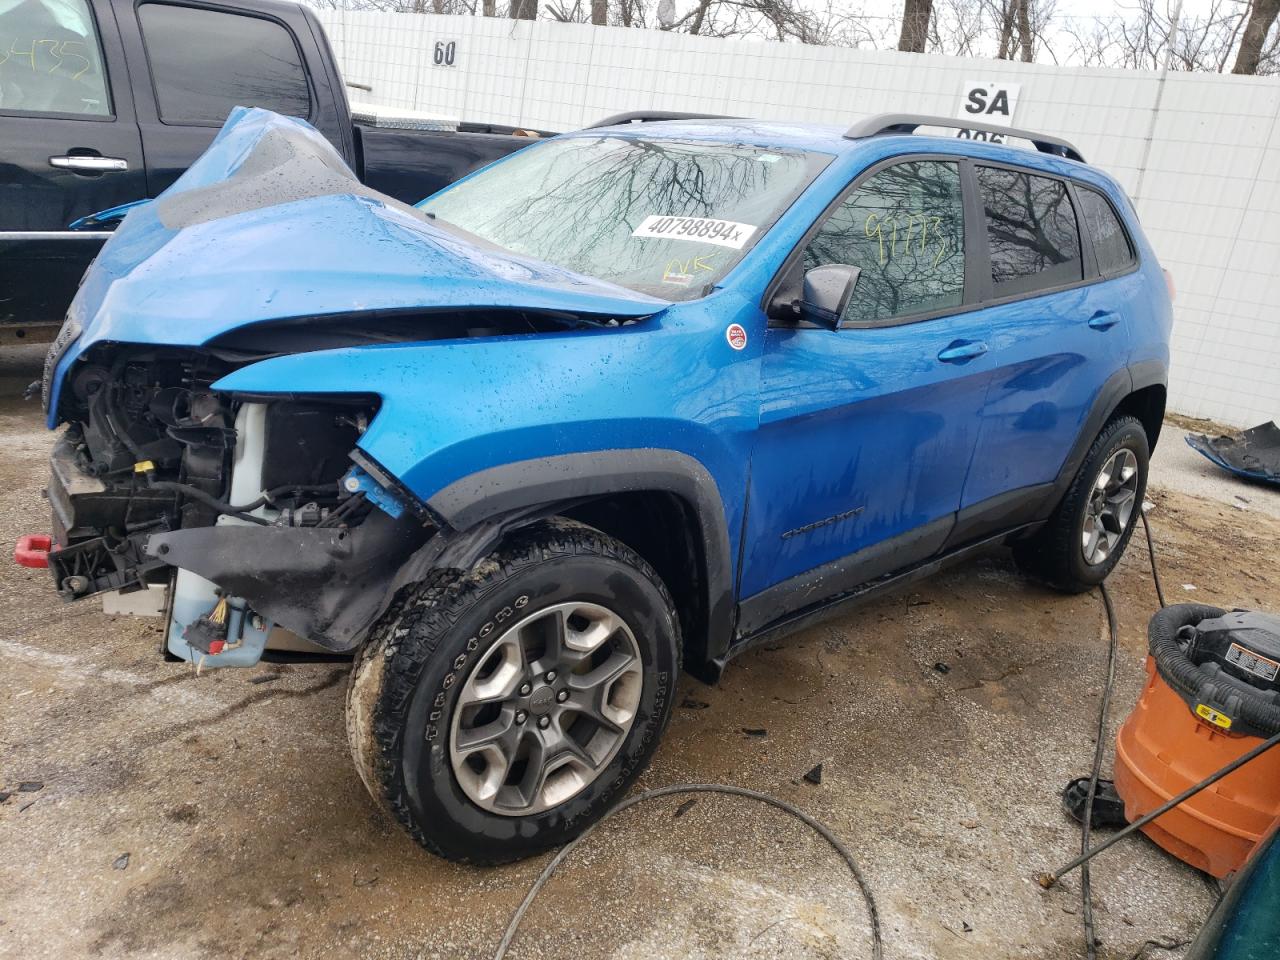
665 218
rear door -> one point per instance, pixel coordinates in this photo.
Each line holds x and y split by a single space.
69 146
1058 330
866 431
194 63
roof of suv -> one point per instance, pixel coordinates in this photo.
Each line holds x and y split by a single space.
833 139
772 133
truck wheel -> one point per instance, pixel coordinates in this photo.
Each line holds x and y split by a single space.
499 711
1088 532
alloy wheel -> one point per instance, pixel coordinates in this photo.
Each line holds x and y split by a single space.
546 708
1110 507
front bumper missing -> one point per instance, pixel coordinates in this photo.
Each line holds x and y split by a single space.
325 584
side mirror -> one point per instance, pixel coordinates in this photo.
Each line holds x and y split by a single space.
827 290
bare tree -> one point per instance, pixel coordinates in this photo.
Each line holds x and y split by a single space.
1150 36
916 15
1262 17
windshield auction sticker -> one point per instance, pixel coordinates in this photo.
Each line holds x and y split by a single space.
723 233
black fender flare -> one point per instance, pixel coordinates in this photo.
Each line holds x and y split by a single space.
525 489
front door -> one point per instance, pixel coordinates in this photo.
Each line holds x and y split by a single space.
867 430
69 146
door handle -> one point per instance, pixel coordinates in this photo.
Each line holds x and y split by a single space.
89 163
961 350
1104 320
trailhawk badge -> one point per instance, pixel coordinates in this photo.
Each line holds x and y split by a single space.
736 336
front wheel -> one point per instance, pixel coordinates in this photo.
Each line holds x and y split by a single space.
500 711
1088 532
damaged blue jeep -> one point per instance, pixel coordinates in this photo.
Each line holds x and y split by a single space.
636 397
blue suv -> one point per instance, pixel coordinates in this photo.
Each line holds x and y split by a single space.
631 399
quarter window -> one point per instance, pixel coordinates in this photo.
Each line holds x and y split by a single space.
903 228
50 59
1110 243
1031 231
204 62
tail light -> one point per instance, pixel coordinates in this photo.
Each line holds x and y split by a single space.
1168 282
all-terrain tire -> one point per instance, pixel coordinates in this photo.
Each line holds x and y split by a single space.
408 677
1056 554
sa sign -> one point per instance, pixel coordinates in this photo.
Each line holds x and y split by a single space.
988 101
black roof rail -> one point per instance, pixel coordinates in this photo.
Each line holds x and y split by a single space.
650 116
887 123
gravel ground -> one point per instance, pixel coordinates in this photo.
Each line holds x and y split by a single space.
220 816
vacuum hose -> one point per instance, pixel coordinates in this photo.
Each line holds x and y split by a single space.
1189 680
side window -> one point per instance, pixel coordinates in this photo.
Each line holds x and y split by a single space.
1031 230
204 62
1110 242
50 59
904 229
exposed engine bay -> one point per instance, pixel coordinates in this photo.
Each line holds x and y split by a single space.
151 450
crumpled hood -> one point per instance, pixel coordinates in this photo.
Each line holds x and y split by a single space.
270 224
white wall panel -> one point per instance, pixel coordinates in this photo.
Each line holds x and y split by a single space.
1203 168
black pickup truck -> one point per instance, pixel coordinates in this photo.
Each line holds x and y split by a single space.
104 102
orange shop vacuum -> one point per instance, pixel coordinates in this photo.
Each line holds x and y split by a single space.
1212 695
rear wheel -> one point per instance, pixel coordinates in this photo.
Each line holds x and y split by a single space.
1088 532
500 711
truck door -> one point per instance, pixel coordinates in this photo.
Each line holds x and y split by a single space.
195 63
69 146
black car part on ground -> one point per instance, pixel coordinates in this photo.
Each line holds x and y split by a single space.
1252 453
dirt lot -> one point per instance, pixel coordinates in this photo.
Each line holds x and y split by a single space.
220 816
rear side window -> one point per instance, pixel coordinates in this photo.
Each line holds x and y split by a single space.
204 62
1111 244
1031 231
50 59
903 228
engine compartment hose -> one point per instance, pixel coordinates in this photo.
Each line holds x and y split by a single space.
1186 677
877 944
209 500
241 511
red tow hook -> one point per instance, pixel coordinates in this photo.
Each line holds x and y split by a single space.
32 550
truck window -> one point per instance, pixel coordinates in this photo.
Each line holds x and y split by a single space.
204 62
50 59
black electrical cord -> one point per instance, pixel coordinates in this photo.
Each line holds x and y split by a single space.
1151 554
877 945
1086 825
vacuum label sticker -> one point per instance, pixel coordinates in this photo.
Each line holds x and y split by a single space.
1252 662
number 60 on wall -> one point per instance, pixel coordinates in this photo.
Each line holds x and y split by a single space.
444 53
